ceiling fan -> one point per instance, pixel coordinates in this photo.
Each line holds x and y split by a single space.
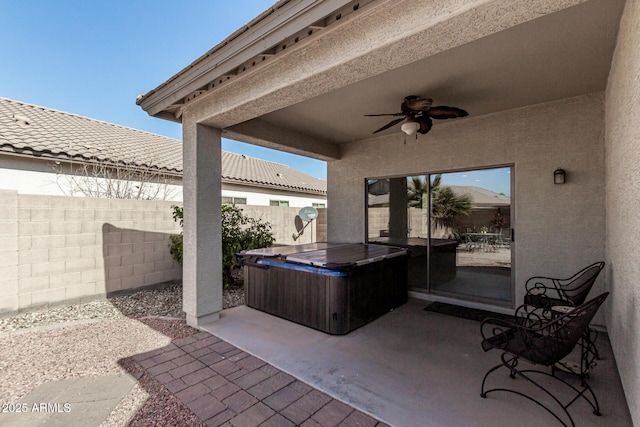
417 113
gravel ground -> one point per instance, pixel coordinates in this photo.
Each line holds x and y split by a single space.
166 302
97 339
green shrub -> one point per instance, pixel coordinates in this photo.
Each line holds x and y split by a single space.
176 247
239 232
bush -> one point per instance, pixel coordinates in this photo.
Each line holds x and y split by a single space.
239 232
176 247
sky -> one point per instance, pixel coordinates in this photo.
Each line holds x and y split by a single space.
497 180
93 57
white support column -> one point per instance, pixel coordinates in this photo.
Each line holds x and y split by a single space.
202 258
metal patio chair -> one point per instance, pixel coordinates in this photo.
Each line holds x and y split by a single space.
541 336
548 292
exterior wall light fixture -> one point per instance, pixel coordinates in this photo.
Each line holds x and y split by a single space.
559 176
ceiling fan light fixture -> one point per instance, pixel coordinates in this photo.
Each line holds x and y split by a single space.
418 113
410 127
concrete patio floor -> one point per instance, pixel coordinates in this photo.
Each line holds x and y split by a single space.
412 368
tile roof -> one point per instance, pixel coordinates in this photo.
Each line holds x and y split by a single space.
43 132
249 170
379 194
482 196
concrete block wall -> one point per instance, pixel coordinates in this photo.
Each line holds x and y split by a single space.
321 226
64 249
9 250
378 222
58 250
282 220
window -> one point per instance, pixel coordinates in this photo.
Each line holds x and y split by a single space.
279 203
234 200
319 205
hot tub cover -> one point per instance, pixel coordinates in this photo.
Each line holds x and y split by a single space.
329 255
284 251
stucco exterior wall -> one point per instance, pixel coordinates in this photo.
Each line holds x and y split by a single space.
27 176
31 176
263 196
623 204
559 228
36 176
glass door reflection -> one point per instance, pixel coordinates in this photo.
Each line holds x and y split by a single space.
457 226
470 251
398 214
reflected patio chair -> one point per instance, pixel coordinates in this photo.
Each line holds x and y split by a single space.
504 240
470 245
541 336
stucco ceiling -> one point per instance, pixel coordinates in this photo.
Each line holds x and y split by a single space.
560 55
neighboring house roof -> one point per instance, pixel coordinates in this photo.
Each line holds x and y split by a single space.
481 197
249 170
42 132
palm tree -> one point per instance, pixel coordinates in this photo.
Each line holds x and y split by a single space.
417 192
445 204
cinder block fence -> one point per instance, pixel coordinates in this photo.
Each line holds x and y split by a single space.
68 249
57 250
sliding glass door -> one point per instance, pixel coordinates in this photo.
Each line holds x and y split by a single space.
398 214
458 226
470 241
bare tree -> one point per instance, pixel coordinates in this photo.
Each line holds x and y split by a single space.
101 178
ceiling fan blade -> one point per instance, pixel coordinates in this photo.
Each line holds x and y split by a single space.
413 103
388 125
444 112
425 124
390 114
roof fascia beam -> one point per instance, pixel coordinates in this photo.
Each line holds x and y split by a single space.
264 134
230 54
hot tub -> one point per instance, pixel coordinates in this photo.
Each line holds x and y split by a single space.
332 287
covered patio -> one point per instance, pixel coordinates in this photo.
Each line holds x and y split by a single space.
547 85
413 367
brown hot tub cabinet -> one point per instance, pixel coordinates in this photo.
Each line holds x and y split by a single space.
334 288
